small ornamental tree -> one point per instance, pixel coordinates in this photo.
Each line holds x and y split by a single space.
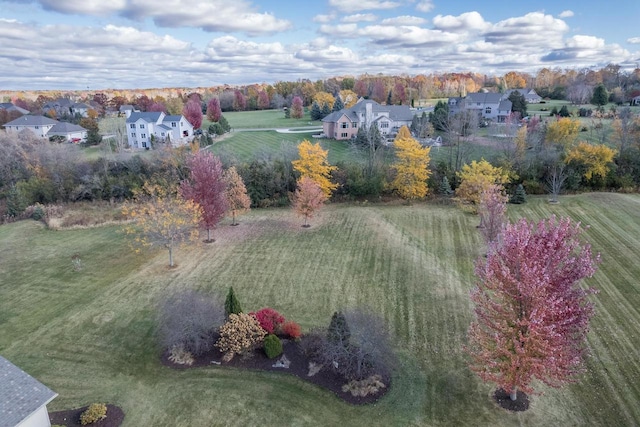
213 110
270 320
192 111
231 303
338 330
313 163
445 187
161 220
307 199
206 187
238 200
492 210
531 315
296 108
411 166
239 335
520 196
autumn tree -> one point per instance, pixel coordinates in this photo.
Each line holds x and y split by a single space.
324 98
159 219
593 160
308 198
238 200
297 110
562 132
213 110
411 166
313 163
492 211
206 187
531 316
475 178
192 111
349 98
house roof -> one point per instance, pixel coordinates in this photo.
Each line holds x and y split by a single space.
147 116
172 118
20 394
80 105
126 107
505 105
10 107
486 98
164 127
66 128
29 120
396 112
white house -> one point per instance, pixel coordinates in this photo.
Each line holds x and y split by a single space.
68 131
344 124
39 125
530 95
490 106
143 127
23 399
81 109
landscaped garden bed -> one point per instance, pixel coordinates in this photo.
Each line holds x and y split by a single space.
71 417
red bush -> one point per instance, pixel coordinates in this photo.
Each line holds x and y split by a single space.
270 320
291 329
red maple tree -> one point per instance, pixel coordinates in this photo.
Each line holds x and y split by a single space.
308 198
192 111
213 110
531 316
492 211
206 187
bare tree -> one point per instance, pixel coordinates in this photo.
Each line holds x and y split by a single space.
189 319
555 181
459 129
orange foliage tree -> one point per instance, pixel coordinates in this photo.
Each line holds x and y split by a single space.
237 198
313 164
308 198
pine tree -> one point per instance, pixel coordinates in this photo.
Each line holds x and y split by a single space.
338 105
231 304
316 112
326 110
338 330
224 123
520 196
445 187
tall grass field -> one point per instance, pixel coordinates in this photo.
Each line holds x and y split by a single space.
87 329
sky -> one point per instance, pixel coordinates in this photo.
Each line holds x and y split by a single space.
128 44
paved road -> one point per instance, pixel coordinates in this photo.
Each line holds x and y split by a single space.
301 129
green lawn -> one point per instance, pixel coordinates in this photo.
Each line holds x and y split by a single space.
263 119
89 334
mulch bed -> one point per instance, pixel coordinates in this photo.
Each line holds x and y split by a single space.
71 417
327 377
503 399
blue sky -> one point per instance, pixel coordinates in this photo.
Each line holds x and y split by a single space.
100 44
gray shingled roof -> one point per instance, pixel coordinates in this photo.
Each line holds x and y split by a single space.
396 112
484 97
10 107
64 127
29 120
505 105
20 394
148 116
172 118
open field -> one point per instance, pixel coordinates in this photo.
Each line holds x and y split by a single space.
89 334
263 119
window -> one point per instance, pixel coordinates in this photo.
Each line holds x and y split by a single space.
477 103
141 126
132 125
344 125
354 125
384 125
143 135
37 127
344 135
133 134
173 124
162 134
487 110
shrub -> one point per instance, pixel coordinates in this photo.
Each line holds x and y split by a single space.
292 329
272 346
180 356
95 412
312 344
188 320
270 320
365 387
520 195
231 304
239 335
338 329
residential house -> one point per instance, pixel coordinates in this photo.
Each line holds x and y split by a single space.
9 107
61 107
80 108
344 124
530 95
127 110
44 127
23 399
635 100
489 106
38 125
143 127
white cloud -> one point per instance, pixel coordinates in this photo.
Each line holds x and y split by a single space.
85 7
404 20
425 6
469 21
634 40
407 36
324 19
341 30
566 14
351 6
533 30
360 17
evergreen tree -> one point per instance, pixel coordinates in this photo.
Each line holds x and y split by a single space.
564 112
326 110
224 123
287 113
338 329
231 304
520 196
445 187
518 103
338 104
389 98
316 112
440 116
600 96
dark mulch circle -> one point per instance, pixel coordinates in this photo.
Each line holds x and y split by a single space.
71 417
503 399
327 377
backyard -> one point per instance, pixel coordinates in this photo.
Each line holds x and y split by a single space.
87 329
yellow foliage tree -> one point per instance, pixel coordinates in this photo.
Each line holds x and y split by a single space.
476 178
313 164
411 166
324 97
158 219
563 132
349 98
595 159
